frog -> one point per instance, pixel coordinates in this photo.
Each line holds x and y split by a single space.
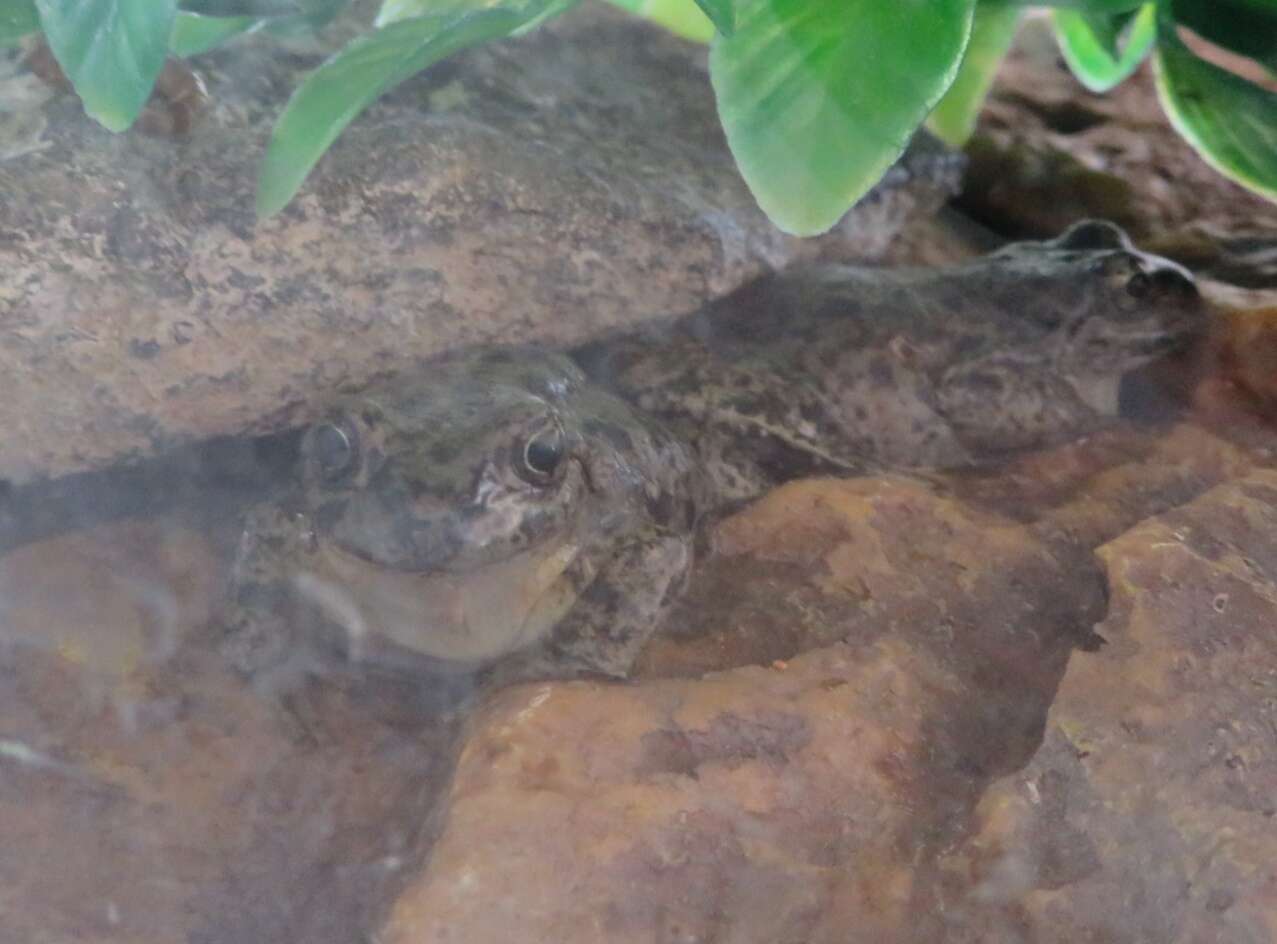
449 519
536 510
846 370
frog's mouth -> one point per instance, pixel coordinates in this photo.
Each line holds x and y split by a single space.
471 617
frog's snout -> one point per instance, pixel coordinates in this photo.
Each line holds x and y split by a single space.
1155 279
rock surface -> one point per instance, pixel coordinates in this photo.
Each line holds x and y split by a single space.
1150 811
1048 153
780 803
548 188
146 802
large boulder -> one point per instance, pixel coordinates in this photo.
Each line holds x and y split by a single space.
548 188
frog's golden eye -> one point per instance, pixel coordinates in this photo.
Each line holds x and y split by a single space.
334 449
542 456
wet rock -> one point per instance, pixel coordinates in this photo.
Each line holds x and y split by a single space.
1047 152
215 818
1150 811
109 601
1246 349
1025 188
1086 493
785 802
550 188
823 561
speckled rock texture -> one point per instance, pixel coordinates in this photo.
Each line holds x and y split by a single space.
546 188
1149 814
1048 152
786 802
154 801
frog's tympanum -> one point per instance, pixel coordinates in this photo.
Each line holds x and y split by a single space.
518 497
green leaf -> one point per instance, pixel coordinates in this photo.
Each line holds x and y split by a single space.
1094 48
533 12
1246 28
18 18
721 13
819 97
1230 122
392 11
681 17
346 84
994 27
1096 7
111 50
254 8
194 34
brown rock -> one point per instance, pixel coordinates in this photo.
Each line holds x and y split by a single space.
553 187
213 817
1150 812
1048 152
1246 344
109 600
783 803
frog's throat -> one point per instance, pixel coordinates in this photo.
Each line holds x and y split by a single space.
471 618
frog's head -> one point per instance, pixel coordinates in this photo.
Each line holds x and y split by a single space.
480 459
454 513
1106 307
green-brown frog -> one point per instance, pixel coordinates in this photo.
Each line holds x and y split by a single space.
520 500
845 369
464 514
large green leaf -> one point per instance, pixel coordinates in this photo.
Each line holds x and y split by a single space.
533 12
681 17
342 87
819 97
18 18
722 13
1247 27
1099 50
1232 123
111 50
991 33
194 34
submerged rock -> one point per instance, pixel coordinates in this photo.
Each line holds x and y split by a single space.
1150 811
785 802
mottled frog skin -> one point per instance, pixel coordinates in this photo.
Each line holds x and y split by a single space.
517 497
464 514
844 370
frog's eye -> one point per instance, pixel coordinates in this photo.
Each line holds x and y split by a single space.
1094 235
334 450
541 456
